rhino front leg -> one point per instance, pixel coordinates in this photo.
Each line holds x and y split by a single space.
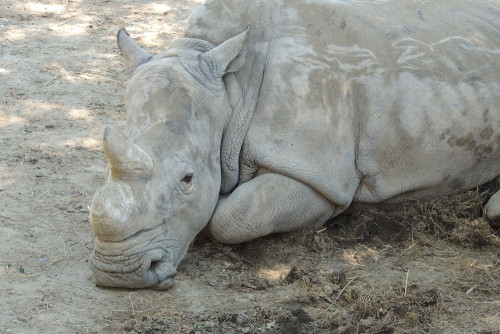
266 204
492 208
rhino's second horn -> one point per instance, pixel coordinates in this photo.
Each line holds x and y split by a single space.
126 159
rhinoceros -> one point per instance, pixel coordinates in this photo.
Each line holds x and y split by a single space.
275 116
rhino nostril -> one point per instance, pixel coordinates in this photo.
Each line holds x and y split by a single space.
154 265
156 257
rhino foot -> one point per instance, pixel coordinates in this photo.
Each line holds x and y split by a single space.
492 209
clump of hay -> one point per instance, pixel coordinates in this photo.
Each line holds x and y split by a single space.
473 233
386 308
458 218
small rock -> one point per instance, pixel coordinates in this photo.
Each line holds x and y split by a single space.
271 325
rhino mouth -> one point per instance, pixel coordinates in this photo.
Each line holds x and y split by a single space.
151 269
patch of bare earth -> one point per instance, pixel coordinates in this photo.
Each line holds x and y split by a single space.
426 267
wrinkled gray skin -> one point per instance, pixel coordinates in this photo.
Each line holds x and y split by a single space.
319 105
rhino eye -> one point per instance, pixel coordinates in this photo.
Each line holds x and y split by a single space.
187 178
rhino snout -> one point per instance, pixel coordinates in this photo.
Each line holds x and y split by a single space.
153 271
111 210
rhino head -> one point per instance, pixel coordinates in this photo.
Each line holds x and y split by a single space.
164 172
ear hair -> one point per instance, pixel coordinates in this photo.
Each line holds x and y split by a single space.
191 44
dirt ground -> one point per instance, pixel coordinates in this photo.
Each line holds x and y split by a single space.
427 267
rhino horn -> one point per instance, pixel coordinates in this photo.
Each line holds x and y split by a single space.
133 54
126 159
110 212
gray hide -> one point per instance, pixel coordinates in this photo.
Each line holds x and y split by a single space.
320 104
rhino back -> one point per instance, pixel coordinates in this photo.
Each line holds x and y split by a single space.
368 100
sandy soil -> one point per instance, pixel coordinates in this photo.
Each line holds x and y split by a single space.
430 267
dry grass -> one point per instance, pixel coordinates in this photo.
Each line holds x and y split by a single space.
457 218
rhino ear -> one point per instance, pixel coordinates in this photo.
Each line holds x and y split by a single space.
133 54
127 160
227 57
